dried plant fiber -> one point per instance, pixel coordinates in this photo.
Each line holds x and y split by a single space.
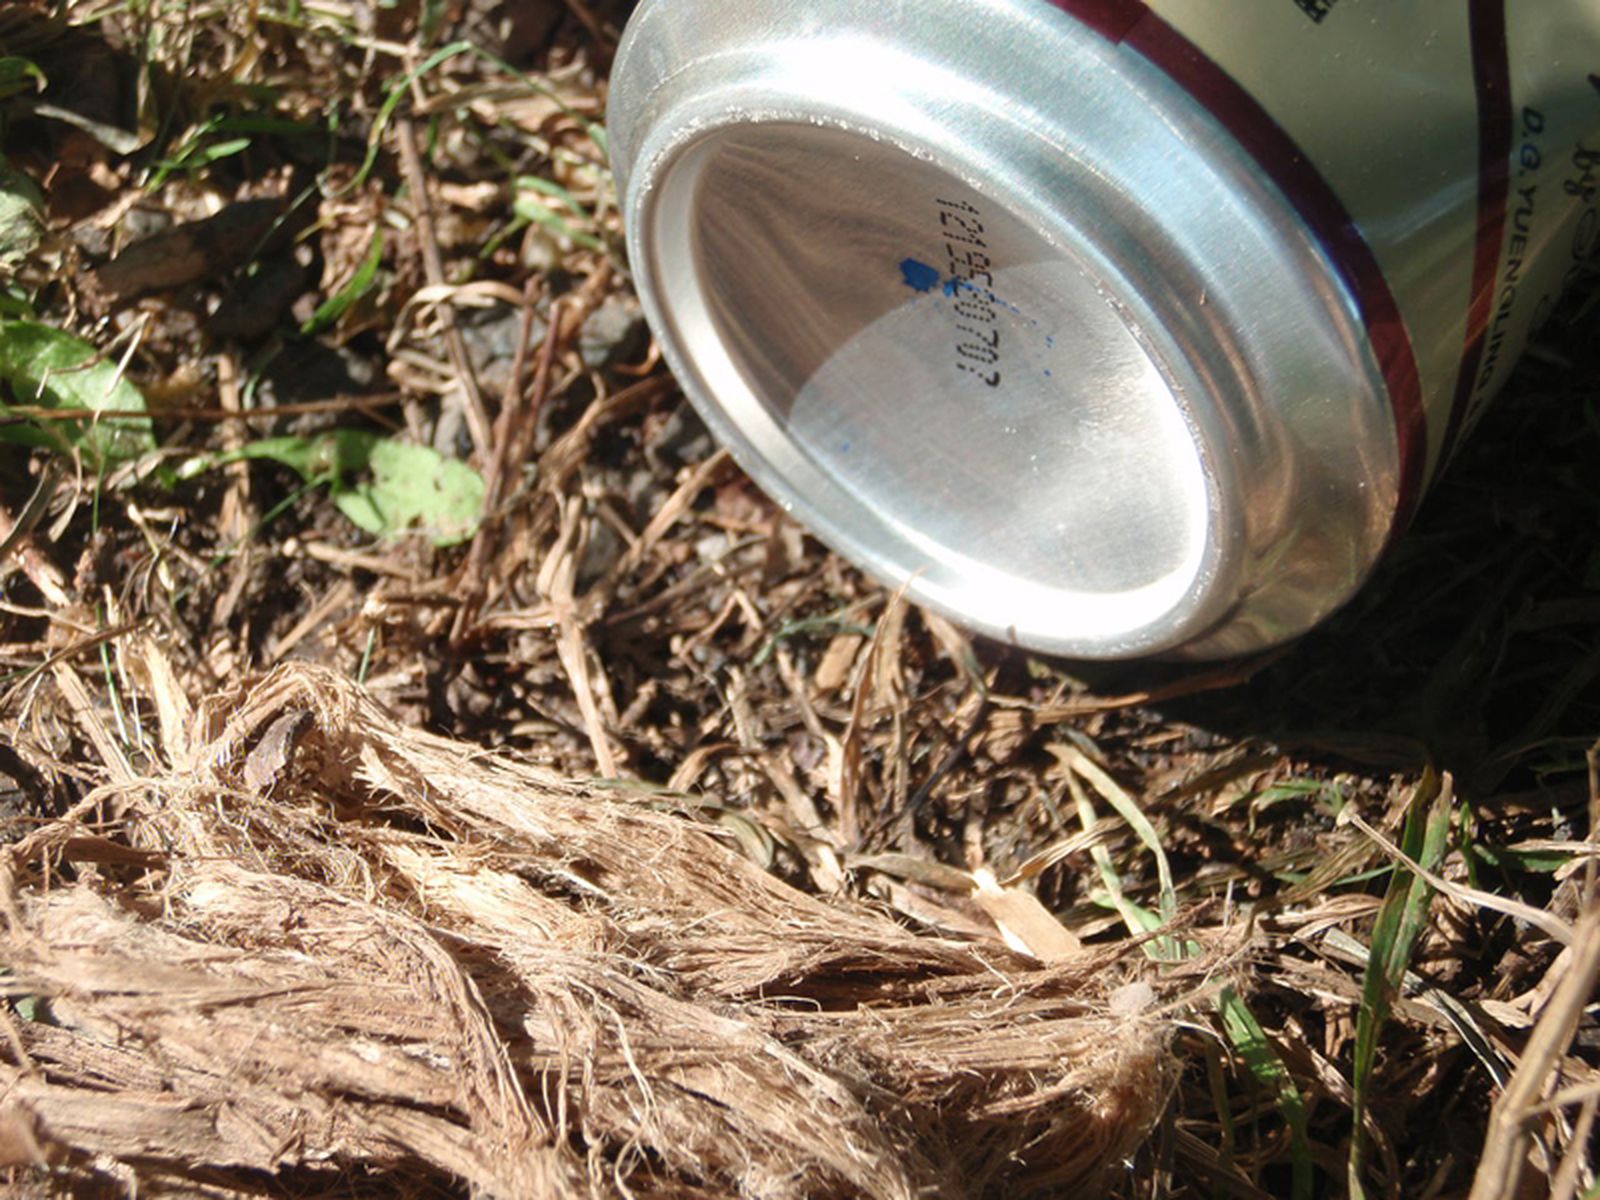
324 954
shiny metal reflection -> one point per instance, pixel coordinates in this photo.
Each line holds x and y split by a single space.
1100 395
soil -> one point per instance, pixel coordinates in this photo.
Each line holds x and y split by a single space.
294 226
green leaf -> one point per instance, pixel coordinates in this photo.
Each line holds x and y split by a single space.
21 216
1394 935
415 487
1262 1060
321 459
387 488
42 367
358 285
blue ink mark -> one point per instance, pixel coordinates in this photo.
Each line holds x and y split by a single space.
919 276
957 284
1049 341
1047 373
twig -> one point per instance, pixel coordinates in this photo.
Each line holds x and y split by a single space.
237 511
16 538
78 647
590 22
513 438
1218 679
83 709
557 576
433 266
844 771
14 529
519 408
16 414
1565 1184
1505 1148
676 506
1589 872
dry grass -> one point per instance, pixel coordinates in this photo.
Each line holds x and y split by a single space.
327 947
330 953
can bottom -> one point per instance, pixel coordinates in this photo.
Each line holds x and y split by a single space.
940 390
1004 313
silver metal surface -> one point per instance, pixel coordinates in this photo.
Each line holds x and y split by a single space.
1038 341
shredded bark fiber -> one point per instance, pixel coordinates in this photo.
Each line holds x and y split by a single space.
325 953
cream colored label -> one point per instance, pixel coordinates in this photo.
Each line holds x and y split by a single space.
1382 99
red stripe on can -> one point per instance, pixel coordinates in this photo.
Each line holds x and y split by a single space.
1110 18
1491 78
1132 23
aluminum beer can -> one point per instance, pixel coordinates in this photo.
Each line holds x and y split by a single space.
1107 327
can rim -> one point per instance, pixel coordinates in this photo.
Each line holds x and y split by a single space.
1149 618
1224 366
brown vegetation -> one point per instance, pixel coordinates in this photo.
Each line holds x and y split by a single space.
719 871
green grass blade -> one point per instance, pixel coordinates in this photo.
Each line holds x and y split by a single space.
1128 809
1400 922
1262 1060
529 209
357 286
397 92
1138 919
18 75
